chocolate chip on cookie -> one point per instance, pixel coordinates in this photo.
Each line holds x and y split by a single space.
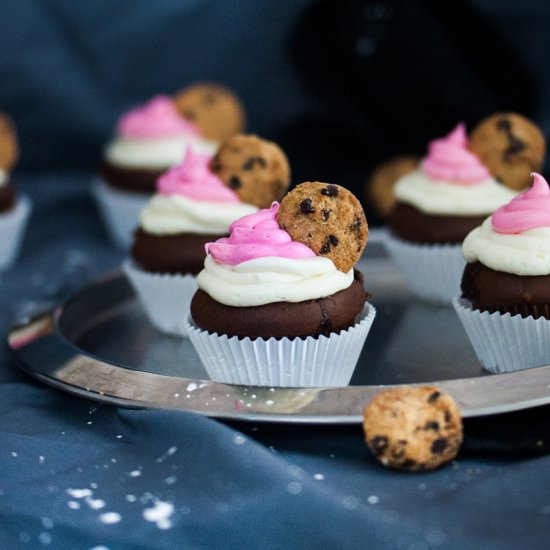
379 189
256 169
9 150
409 428
511 147
329 219
215 110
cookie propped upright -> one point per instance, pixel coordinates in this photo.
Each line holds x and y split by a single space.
214 109
511 146
327 218
256 169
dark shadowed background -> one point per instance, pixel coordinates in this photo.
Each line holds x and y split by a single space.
341 85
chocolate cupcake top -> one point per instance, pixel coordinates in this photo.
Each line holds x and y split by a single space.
261 263
516 238
452 181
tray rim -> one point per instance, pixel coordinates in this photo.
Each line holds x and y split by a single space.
44 330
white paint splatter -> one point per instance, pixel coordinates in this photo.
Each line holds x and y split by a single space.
41 459
110 517
14 454
45 538
95 503
73 505
168 453
99 548
318 477
239 440
134 473
294 488
373 499
192 387
79 493
170 480
131 498
159 514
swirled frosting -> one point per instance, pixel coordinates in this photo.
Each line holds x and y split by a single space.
154 136
157 118
172 214
448 159
260 264
516 238
194 180
527 210
452 181
257 236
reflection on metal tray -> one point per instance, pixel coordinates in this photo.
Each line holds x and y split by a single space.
100 345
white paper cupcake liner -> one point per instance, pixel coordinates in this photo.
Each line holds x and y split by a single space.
166 298
310 362
433 271
504 342
119 210
12 231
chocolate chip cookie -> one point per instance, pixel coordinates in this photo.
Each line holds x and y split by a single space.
215 110
414 429
379 189
9 150
511 147
329 219
256 169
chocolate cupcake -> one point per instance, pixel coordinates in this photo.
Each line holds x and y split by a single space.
14 208
149 140
192 207
279 302
437 205
505 302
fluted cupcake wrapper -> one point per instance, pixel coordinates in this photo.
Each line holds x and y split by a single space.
119 210
433 271
12 231
505 342
310 362
166 298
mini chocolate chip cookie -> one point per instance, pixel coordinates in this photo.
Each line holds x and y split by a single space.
381 183
9 150
511 147
256 169
215 110
411 428
329 219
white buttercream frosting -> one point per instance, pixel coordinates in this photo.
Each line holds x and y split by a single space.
3 178
172 214
154 153
525 253
445 198
272 279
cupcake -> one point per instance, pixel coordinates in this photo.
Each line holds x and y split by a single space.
149 140
505 300
437 205
193 206
14 209
279 301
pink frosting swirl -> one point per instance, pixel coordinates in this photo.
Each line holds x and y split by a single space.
194 180
528 210
157 118
257 236
449 159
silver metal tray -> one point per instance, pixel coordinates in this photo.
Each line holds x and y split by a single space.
99 345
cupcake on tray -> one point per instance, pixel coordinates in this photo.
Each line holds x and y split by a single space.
154 137
14 209
279 301
440 203
505 301
195 203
